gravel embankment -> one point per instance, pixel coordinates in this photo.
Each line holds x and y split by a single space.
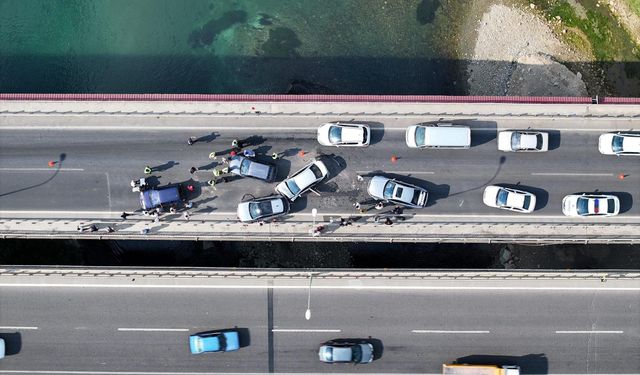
517 54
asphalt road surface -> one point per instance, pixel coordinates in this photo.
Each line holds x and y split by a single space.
99 155
139 330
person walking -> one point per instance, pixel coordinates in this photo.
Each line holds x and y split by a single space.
147 170
388 221
379 206
193 170
124 215
235 143
191 141
172 210
275 156
357 206
186 216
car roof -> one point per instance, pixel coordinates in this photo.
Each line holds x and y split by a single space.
304 178
351 134
342 354
451 136
631 143
515 199
528 140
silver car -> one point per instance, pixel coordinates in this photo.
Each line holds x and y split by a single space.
262 208
402 193
344 135
523 141
346 353
590 205
303 180
509 199
247 167
619 144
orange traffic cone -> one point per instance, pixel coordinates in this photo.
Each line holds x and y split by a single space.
394 159
51 163
621 176
301 153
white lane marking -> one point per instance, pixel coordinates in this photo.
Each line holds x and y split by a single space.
153 329
305 330
589 332
399 172
442 331
344 287
572 174
17 327
108 189
265 129
41 169
60 372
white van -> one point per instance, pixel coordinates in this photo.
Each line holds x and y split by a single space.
438 136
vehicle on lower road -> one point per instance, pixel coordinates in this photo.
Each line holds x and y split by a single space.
590 205
152 198
303 180
479 370
619 144
263 208
344 134
398 192
509 199
523 141
247 167
345 352
223 341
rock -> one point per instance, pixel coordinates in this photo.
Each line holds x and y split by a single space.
579 75
532 6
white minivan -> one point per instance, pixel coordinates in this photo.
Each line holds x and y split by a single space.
438 136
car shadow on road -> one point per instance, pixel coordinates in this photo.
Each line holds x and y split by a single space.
555 139
542 196
529 364
377 131
12 342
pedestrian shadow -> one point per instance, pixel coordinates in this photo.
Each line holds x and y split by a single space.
208 138
165 166
254 140
62 157
291 152
262 150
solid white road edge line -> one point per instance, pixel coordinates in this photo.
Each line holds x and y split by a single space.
41 169
21 328
60 372
153 329
442 331
589 332
571 174
305 287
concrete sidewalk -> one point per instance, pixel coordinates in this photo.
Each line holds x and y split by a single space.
287 109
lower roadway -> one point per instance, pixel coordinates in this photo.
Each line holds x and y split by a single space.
103 153
53 327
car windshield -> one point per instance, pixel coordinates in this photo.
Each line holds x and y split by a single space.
527 202
293 187
356 352
328 354
364 135
515 140
258 209
420 133
388 190
501 199
582 206
416 196
616 144
335 134
539 141
610 206
244 167
316 171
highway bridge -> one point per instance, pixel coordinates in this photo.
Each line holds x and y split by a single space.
99 146
102 321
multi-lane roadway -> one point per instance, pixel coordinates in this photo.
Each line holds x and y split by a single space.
102 154
137 326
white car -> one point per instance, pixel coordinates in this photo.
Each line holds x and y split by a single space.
509 199
402 193
523 141
619 144
346 135
590 205
262 208
303 180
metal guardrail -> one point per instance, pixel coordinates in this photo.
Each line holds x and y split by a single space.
387 274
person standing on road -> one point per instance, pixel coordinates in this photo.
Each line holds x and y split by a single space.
191 141
147 170
193 170
186 215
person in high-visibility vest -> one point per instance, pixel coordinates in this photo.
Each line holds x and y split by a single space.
147 170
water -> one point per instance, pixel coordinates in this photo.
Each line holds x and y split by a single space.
217 46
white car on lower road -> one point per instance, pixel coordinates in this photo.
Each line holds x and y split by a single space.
303 180
590 205
344 134
523 141
509 199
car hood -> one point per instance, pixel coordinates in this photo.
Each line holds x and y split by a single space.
376 186
569 205
490 195
504 141
605 144
323 134
410 136
243 212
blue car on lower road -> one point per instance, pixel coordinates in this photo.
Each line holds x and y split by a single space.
225 341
